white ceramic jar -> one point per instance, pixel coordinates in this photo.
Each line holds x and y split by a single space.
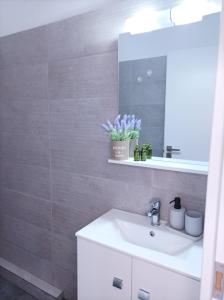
194 222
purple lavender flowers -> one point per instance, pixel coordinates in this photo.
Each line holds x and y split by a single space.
123 128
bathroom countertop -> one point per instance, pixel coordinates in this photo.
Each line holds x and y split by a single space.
105 232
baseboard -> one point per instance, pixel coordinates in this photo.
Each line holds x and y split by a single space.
28 282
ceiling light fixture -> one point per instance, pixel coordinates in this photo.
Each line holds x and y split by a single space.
189 11
143 21
193 11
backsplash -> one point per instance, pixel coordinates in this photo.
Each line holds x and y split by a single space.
58 83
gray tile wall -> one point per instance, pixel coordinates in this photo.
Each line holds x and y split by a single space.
58 83
145 99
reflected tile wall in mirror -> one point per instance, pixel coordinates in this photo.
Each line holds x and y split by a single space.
142 92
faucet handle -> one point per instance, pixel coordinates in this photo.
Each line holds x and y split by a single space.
155 204
154 212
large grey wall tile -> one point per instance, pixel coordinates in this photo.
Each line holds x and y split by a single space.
30 209
81 118
156 64
128 174
75 198
83 35
30 116
77 192
64 252
26 260
24 82
25 235
189 184
66 281
145 99
68 155
27 47
155 137
27 179
67 221
85 77
152 115
152 90
28 149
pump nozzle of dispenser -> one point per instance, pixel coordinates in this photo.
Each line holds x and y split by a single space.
177 203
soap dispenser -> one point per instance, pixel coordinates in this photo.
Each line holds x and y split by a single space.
177 214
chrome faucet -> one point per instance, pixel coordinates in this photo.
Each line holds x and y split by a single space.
154 213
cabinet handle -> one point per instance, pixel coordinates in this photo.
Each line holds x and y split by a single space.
117 283
143 295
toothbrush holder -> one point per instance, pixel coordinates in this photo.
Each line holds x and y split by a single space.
194 222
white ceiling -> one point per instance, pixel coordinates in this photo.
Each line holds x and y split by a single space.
19 15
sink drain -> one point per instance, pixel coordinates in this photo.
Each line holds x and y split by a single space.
152 233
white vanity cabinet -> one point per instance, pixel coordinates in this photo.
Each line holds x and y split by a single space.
150 282
106 274
103 274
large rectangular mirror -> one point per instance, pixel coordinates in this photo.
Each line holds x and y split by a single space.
167 78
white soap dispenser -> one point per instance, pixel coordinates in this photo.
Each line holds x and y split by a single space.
177 214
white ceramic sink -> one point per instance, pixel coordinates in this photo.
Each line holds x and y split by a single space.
162 238
133 234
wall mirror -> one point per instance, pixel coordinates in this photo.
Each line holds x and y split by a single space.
167 78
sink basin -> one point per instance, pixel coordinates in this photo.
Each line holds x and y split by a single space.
162 238
133 235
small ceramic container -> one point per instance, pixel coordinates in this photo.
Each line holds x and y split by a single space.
194 222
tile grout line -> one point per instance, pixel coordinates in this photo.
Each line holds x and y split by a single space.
50 175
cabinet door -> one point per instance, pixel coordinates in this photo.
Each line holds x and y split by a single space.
151 282
103 274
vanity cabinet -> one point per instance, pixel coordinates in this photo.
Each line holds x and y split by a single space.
103 274
150 282
106 274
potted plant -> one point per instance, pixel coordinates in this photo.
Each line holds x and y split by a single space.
134 132
119 133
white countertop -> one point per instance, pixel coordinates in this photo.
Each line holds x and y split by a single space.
104 231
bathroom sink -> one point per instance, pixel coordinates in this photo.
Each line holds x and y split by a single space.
134 235
161 238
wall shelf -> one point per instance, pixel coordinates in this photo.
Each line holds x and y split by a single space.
166 164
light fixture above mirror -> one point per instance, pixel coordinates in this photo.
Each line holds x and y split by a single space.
190 11
143 21
146 20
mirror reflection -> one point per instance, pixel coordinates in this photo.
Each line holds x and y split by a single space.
167 78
